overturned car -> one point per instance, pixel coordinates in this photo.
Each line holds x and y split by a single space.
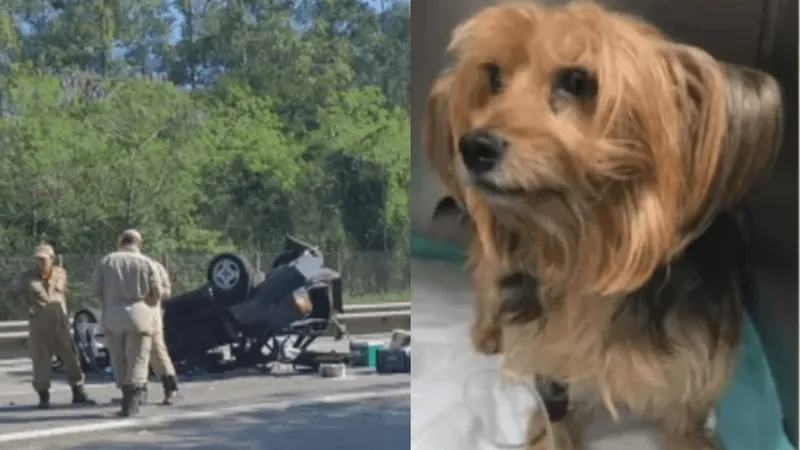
242 317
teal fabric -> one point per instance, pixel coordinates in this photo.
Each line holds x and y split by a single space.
429 249
749 414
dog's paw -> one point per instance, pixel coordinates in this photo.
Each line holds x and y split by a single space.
486 339
545 435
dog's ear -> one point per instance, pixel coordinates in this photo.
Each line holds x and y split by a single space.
440 148
734 120
441 153
727 126
488 232
753 132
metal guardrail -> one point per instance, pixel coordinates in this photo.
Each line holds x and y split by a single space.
12 326
359 319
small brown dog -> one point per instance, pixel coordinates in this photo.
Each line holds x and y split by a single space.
602 166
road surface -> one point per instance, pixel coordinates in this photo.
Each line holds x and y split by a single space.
241 410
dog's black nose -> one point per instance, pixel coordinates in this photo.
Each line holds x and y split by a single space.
481 150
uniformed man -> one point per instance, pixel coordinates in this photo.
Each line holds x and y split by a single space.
160 361
130 289
44 289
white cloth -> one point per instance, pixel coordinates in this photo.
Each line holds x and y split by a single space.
459 400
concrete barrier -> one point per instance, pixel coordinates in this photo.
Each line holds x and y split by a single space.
375 322
12 326
378 307
359 319
13 344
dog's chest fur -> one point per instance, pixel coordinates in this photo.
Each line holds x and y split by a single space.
667 343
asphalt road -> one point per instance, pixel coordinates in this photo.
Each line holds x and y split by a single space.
239 410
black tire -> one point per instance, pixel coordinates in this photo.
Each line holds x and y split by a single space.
229 276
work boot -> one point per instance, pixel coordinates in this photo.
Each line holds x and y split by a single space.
170 384
125 403
131 401
80 397
44 399
136 401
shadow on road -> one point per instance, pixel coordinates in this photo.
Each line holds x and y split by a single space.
278 371
65 412
373 424
29 414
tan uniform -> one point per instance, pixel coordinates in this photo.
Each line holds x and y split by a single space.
159 356
48 326
128 285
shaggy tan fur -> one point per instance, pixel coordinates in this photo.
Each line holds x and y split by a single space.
613 189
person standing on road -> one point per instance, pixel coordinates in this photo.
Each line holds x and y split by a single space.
130 289
44 289
160 361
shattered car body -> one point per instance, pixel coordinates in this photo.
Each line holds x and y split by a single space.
241 318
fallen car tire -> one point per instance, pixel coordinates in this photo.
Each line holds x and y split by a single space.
229 276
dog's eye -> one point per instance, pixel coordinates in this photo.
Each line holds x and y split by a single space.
494 77
575 82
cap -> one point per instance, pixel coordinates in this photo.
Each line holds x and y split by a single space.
44 251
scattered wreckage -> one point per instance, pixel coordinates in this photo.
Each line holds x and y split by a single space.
242 317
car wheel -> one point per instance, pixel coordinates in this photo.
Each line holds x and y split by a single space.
229 276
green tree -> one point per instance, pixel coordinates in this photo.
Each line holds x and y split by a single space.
210 125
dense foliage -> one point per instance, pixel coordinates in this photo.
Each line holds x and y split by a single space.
208 125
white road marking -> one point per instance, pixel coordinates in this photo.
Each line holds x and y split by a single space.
24 364
138 422
209 382
29 390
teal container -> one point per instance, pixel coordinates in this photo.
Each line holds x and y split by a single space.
365 353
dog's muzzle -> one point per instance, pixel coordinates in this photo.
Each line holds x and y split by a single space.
481 150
